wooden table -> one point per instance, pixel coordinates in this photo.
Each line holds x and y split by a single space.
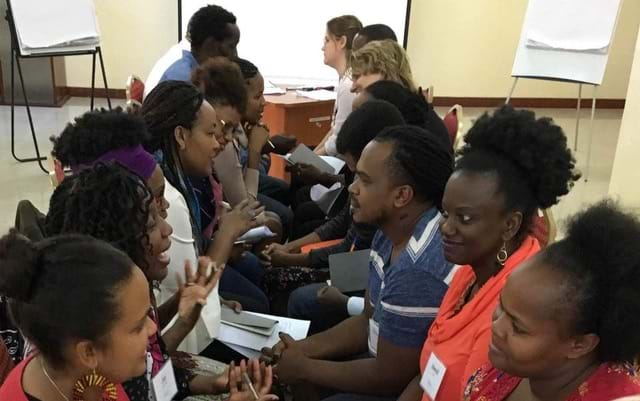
309 120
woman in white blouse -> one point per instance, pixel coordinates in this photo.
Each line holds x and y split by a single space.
338 40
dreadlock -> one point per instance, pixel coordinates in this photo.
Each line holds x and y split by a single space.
169 105
418 159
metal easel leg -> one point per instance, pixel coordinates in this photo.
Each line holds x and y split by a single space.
513 88
93 79
575 139
13 109
38 158
593 114
104 78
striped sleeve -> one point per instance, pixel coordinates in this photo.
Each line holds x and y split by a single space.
409 303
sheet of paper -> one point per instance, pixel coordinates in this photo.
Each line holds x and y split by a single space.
248 352
297 329
318 191
38 23
320 94
585 25
255 235
206 329
302 154
334 162
271 89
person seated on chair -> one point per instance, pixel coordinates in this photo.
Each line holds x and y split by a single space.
290 268
373 32
252 122
186 135
338 40
381 60
566 324
324 305
94 202
58 286
237 166
212 32
407 277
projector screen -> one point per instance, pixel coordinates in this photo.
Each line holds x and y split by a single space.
283 38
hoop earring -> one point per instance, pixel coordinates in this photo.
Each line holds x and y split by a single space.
94 379
502 255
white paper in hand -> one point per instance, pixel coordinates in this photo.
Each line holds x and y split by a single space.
255 235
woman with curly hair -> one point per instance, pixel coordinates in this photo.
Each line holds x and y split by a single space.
110 135
512 164
566 326
110 203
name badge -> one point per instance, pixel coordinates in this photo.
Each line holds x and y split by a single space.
164 383
432 376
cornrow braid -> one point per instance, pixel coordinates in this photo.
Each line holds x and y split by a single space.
419 160
248 69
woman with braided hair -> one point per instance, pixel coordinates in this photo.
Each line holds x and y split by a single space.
512 164
186 134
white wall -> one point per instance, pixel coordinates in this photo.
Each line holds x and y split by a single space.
625 177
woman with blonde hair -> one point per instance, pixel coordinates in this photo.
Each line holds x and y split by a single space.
380 60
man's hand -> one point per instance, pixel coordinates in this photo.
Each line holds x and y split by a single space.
306 173
291 364
282 144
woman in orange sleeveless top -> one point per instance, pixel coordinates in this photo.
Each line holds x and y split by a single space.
512 164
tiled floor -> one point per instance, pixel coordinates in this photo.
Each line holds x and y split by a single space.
26 181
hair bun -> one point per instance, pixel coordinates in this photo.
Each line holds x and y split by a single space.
18 265
537 146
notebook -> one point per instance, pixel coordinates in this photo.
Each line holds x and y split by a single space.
249 322
349 271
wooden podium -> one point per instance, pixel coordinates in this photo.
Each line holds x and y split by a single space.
309 120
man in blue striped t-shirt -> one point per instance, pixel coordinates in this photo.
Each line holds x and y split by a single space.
400 179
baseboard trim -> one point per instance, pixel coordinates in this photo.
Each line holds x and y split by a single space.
531 102
59 102
77 91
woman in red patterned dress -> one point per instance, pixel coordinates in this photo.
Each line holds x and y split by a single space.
567 322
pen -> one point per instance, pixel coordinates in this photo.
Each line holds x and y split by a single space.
309 89
247 381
